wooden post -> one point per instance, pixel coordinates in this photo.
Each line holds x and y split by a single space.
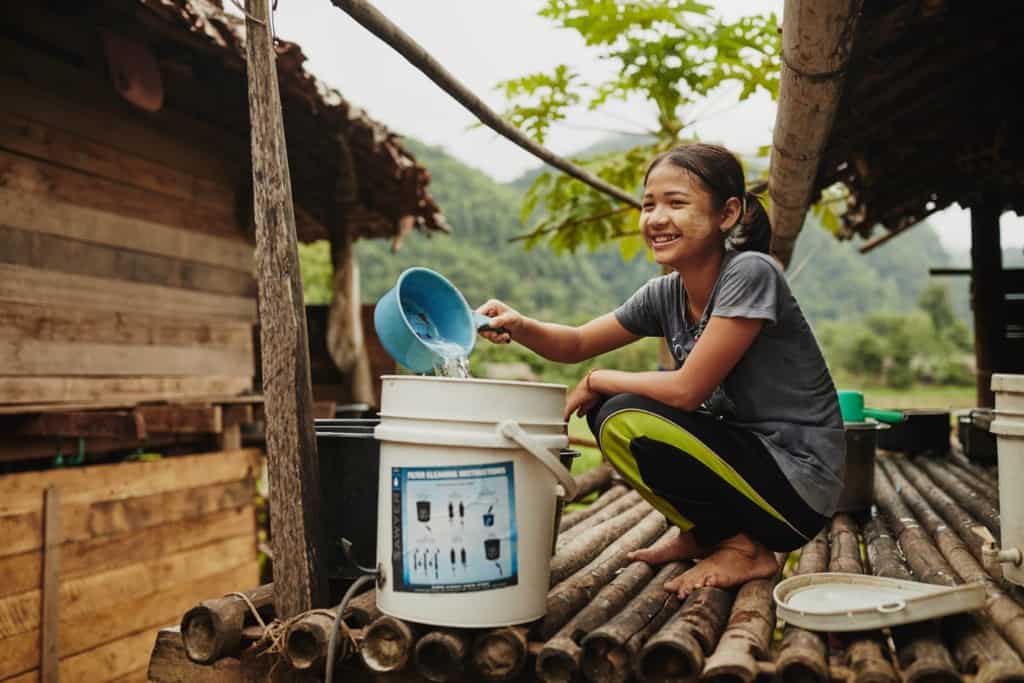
49 633
291 443
987 295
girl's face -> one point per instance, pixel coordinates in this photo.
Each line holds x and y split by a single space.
677 218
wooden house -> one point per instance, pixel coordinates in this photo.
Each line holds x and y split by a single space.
906 107
128 307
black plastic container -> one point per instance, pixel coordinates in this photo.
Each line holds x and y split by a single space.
349 468
978 442
922 432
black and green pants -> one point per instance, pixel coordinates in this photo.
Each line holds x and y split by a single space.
705 475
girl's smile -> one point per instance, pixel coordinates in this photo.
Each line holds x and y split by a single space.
676 217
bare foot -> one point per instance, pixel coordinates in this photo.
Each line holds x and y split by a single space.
678 546
734 561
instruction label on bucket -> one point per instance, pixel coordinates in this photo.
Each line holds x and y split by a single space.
453 528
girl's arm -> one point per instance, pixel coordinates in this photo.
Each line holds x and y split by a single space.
723 343
560 343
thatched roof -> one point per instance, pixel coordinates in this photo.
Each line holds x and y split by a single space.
921 112
347 169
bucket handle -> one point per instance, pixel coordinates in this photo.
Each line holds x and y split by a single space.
511 429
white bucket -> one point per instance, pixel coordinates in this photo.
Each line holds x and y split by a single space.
469 476
1008 427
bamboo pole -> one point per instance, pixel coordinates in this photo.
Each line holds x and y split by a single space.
284 347
677 651
978 647
570 596
865 651
612 509
440 655
213 628
387 644
984 510
610 650
816 41
362 610
1005 612
595 479
576 516
307 638
500 654
560 657
748 635
973 534
982 486
376 23
920 653
586 546
803 655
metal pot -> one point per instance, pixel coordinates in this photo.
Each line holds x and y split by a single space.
859 483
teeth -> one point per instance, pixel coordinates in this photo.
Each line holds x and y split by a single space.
661 239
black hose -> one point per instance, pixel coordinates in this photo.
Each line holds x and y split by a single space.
332 643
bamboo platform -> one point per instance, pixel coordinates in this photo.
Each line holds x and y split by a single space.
609 619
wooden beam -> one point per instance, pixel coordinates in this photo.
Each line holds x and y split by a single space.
39 394
71 359
178 419
49 672
816 42
987 298
78 424
379 25
20 284
300 582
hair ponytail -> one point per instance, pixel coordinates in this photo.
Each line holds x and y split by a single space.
753 231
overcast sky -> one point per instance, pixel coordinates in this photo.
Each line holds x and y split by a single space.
482 42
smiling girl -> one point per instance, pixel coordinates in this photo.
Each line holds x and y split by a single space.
741 446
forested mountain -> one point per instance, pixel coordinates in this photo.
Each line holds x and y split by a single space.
834 281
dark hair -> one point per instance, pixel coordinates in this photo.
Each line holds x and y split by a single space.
722 175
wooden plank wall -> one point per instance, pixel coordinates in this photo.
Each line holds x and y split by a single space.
142 542
124 272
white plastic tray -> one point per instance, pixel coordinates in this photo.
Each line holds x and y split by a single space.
834 601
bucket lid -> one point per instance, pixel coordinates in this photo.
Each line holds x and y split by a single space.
834 601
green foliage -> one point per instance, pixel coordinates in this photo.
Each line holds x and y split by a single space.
670 53
315 260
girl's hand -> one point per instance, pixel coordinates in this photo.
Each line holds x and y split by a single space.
502 316
582 399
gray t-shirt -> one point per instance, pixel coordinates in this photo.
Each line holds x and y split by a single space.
780 389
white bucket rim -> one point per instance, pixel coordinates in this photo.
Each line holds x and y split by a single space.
1004 427
474 380
469 420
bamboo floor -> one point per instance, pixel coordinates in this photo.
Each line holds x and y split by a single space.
609 619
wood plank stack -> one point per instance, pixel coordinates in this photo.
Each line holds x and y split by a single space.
139 543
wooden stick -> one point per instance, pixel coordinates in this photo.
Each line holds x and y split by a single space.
213 628
291 442
441 655
866 650
677 651
568 597
500 654
748 635
609 651
576 516
984 510
803 654
586 546
920 653
600 516
387 644
560 657
49 664
594 479
379 25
